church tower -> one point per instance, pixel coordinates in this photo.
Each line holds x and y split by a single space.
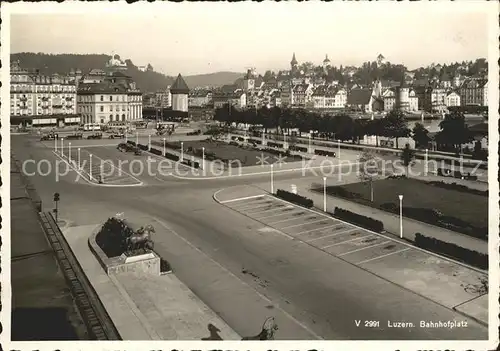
294 65
179 91
326 64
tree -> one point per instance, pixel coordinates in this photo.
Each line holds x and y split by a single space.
369 169
395 126
407 157
421 135
344 127
454 132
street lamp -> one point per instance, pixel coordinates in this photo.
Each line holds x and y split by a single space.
338 148
78 158
309 143
69 153
203 159
272 180
401 216
182 151
90 165
62 147
149 142
55 144
426 166
324 194
164 151
136 138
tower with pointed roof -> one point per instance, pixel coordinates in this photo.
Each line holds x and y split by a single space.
403 95
179 91
294 64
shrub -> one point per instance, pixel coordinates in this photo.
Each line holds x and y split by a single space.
295 198
233 143
325 153
191 163
271 144
171 156
458 187
362 221
165 266
131 142
112 238
471 257
298 148
142 147
156 152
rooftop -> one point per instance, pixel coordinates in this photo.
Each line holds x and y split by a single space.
179 86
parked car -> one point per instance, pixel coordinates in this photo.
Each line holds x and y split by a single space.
95 136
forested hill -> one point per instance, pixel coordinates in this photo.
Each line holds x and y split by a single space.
148 81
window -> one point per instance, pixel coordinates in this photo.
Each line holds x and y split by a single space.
111 117
123 117
117 117
111 107
102 108
102 98
102 120
111 98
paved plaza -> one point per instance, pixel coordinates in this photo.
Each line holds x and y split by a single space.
439 279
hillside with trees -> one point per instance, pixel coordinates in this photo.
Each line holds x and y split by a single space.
148 81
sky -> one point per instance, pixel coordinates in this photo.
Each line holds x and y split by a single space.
195 38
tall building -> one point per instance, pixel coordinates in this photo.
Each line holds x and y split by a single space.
294 64
326 64
116 98
180 93
41 100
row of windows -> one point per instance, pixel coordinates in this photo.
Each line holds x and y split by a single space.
110 98
42 88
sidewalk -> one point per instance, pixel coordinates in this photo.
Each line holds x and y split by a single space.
146 307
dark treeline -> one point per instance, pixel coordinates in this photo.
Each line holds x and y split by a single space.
454 130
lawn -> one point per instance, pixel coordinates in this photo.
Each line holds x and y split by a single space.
455 210
248 156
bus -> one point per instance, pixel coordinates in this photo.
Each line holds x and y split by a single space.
91 126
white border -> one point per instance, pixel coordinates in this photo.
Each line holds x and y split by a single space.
251 9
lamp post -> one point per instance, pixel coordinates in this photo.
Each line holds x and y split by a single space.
149 142
401 216
203 159
426 166
309 143
136 138
79 158
182 151
324 194
126 136
69 153
272 180
90 169
62 147
338 148
164 151
55 144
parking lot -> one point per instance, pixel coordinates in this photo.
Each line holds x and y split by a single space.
434 277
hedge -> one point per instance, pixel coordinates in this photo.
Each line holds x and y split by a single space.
458 187
444 172
295 198
362 221
191 163
434 217
131 142
171 156
325 153
298 148
142 147
271 144
156 152
471 257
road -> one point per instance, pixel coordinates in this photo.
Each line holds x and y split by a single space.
245 274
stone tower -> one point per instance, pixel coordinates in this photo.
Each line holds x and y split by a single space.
179 91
